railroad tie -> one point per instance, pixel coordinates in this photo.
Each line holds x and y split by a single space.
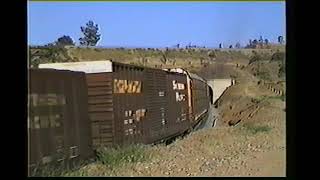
253 112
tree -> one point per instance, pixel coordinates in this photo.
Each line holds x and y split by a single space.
237 45
254 42
90 32
280 39
64 41
266 41
260 40
49 45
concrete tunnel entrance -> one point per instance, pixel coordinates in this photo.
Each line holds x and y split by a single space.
218 86
211 95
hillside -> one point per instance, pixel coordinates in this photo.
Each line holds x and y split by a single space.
206 62
249 136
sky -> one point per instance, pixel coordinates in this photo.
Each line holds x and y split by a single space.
158 24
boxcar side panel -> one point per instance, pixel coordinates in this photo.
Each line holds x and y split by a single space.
156 103
177 97
101 108
200 99
58 126
129 103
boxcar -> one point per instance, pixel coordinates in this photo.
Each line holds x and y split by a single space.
58 122
200 98
131 104
199 95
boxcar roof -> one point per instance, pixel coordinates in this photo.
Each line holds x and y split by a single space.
194 76
106 66
87 67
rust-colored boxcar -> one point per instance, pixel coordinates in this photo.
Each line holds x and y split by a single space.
58 123
179 110
200 98
134 104
131 104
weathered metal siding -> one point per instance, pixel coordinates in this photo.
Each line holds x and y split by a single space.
100 108
145 105
156 105
129 91
148 106
58 122
200 98
177 103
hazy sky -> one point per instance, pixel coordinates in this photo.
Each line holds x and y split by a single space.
158 24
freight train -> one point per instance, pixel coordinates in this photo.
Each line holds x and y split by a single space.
76 108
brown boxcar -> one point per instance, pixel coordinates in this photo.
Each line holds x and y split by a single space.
200 98
140 105
58 123
131 104
167 111
179 112
198 95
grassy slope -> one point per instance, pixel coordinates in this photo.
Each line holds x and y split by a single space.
195 60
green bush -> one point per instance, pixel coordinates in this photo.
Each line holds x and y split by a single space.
48 55
120 155
254 129
56 169
282 97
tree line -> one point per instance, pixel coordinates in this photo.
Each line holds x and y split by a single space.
90 36
255 43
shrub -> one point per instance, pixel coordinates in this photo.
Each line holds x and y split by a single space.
254 129
255 57
278 56
119 155
263 75
282 71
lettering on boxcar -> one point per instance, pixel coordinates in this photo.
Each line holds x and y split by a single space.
180 97
177 86
135 115
43 104
126 86
132 117
163 119
46 99
74 151
60 154
161 93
